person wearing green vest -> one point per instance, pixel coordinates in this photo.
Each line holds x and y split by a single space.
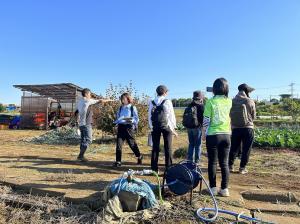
217 129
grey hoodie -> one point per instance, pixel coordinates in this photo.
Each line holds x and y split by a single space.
242 98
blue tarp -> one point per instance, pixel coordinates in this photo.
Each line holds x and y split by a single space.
136 186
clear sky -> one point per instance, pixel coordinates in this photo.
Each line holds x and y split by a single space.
183 44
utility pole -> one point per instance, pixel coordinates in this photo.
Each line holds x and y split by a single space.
292 89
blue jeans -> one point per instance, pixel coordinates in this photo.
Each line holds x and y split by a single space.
86 139
194 144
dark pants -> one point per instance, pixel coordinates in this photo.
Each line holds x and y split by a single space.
246 137
218 147
126 132
86 133
167 136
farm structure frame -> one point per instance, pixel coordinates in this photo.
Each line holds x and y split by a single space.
43 103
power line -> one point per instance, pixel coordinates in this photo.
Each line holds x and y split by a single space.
273 87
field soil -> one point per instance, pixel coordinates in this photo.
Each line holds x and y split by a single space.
41 169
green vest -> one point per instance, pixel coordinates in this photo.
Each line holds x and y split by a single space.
218 110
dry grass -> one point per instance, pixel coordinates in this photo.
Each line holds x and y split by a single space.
16 208
54 168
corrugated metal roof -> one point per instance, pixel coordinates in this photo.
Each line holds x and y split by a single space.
60 91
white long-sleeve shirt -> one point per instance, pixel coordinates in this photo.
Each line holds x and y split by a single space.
82 108
169 110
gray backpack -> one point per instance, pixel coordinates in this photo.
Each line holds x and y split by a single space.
239 115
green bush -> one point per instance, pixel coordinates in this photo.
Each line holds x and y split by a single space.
180 153
2 108
180 127
106 114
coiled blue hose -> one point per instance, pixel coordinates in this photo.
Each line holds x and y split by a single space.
217 211
237 215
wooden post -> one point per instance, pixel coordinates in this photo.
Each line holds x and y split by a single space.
200 189
47 111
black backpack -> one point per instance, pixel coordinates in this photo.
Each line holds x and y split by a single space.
158 116
190 118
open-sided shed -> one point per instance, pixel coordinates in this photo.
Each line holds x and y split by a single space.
40 102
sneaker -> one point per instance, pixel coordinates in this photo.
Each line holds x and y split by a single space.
117 164
231 169
214 190
243 171
82 159
140 160
224 192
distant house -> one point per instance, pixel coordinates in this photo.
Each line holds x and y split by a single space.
274 101
267 102
285 96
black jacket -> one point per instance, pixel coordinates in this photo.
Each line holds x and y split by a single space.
200 110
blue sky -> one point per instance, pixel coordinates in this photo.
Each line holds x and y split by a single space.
183 44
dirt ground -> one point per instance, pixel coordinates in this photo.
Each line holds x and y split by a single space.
53 170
